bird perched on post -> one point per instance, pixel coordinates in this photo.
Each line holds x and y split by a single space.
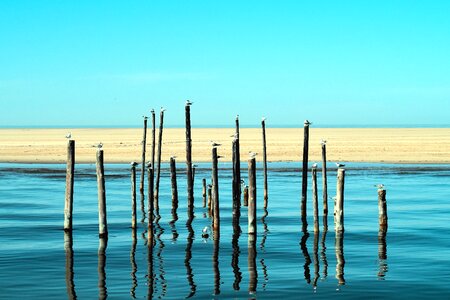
379 186
148 165
99 145
323 142
314 165
163 109
307 122
263 119
133 164
252 154
69 135
145 117
189 103
339 165
152 111
214 144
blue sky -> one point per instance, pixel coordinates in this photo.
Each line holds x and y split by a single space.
106 63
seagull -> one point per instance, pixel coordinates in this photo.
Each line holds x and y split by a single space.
220 156
145 117
379 186
69 135
307 122
189 103
173 157
152 111
339 165
133 164
237 117
194 166
264 119
99 145
252 154
314 165
214 144
209 186
234 135
163 109
148 164
205 232
323 142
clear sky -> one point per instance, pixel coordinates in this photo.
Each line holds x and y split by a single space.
106 63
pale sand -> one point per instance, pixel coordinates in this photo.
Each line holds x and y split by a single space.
283 144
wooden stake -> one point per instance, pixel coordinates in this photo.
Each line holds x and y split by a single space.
158 172
238 157
315 200
102 223
204 191
215 192
382 211
190 183
144 144
252 196
68 203
305 173
324 186
263 125
339 204
173 180
133 196
153 144
236 184
246 195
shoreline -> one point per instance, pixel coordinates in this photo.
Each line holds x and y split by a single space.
123 145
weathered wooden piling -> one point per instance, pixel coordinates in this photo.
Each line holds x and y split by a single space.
339 204
315 199
235 182
173 180
245 196
153 142
263 126
189 175
238 156
158 172
252 196
305 173
133 195
68 203
382 210
102 223
324 186
215 192
150 229
144 146
204 191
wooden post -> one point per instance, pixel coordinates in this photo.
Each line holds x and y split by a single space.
215 192
102 223
158 172
68 203
324 186
153 143
339 205
238 157
382 211
246 195
204 191
236 184
315 200
263 125
144 145
133 195
305 173
150 205
173 180
189 175
252 196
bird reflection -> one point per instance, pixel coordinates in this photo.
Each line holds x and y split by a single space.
215 259
102 290
235 256
339 248
382 255
323 255
252 271
187 260
68 247
316 259
307 272
133 263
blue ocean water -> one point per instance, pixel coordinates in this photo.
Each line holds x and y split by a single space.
38 260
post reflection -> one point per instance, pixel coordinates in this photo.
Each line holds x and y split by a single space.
102 290
215 259
150 274
316 259
172 223
323 255
252 271
187 261
235 256
340 261
68 248
382 255
133 263
304 249
262 247
144 215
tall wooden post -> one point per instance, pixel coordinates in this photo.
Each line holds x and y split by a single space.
102 223
173 180
215 192
324 186
382 211
339 205
305 173
68 203
204 191
133 195
236 184
238 156
190 185
263 125
252 196
315 200
153 143
150 230
158 172
144 145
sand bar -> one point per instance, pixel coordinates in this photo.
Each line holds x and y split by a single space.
424 145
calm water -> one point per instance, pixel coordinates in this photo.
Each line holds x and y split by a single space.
412 261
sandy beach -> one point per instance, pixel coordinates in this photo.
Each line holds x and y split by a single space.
403 145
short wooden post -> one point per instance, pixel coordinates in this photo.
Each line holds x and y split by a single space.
68 203
150 230
189 175
263 125
215 192
133 195
102 223
382 211
246 195
235 183
173 180
252 196
315 200
158 172
339 204
305 173
324 186
204 191
238 157
144 145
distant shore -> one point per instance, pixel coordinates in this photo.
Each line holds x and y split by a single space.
122 145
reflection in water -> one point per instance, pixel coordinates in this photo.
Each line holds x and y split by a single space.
316 259
382 255
262 247
172 223
323 255
159 232
187 260
150 275
339 247
252 271
68 247
102 291
215 259
143 208
133 263
307 272
235 256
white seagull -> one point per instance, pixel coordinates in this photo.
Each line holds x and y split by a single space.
252 154
69 135
152 111
145 117
314 165
339 165
133 164
99 145
148 164
323 142
307 122
163 109
214 144
189 103
263 119
379 186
